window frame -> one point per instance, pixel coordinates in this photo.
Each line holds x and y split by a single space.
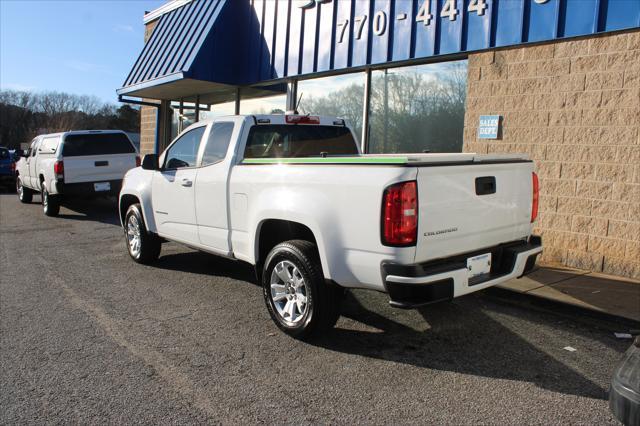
33 150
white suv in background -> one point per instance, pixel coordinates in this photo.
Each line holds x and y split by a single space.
74 164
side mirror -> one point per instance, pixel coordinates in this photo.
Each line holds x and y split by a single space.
150 162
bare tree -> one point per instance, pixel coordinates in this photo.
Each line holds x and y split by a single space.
25 114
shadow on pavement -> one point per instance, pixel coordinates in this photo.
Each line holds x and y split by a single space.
460 337
460 340
103 210
206 264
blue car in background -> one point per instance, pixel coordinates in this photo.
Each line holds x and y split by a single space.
7 168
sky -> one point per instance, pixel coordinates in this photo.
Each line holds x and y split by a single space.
85 47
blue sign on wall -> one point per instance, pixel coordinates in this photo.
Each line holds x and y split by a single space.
489 127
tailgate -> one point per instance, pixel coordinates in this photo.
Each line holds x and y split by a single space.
97 168
463 208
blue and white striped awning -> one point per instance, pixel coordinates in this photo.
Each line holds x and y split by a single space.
174 46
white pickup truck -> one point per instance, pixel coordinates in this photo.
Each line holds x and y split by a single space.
74 164
293 196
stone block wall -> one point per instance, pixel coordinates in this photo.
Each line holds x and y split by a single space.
148 114
574 107
148 129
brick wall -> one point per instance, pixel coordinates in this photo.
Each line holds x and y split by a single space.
574 107
147 130
148 114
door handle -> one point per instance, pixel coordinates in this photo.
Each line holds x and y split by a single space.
186 182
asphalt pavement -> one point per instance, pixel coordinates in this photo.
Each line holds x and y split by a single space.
87 336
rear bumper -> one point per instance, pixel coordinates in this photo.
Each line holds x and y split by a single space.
410 286
87 189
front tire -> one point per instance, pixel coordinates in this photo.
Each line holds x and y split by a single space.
298 298
25 195
143 246
50 203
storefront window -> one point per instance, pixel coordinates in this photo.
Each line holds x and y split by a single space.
267 105
337 96
418 108
188 117
219 110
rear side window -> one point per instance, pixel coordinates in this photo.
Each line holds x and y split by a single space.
291 141
218 143
49 145
96 144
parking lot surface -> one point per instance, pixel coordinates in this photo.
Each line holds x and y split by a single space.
87 335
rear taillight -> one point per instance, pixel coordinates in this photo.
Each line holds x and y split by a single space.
536 197
400 214
137 161
58 170
13 167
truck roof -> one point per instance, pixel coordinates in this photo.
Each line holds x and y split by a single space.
80 132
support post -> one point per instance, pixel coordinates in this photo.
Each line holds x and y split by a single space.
292 95
237 111
365 113
164 126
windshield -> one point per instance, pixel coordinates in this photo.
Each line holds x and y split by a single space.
96 144
295 141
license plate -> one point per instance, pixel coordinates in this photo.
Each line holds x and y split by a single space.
479 265
102 186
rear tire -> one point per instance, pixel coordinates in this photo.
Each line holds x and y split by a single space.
50 203
299 300
25 195
143 246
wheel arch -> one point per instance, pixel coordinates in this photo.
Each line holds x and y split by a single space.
273 231
131 196
126 201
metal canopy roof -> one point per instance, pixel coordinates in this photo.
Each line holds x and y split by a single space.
171 51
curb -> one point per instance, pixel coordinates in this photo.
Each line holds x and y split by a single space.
548 305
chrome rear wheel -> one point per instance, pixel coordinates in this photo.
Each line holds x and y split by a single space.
289 292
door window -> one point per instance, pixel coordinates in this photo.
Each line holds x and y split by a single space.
218 143
184 152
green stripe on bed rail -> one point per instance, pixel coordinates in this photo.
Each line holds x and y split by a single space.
328 160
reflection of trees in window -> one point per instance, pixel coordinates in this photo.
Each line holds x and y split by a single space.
413 110
345 103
